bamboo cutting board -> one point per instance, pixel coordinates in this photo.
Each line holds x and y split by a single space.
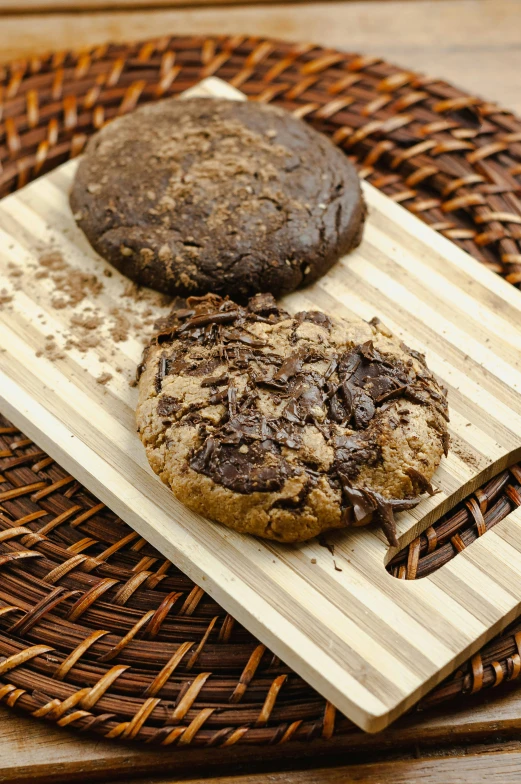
370 643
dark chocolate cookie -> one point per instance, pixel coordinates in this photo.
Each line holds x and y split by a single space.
197 195
285 426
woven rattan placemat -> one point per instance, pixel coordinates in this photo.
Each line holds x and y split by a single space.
97 630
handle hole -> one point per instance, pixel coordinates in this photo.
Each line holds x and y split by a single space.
453 532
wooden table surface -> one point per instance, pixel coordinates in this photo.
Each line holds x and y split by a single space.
477 743
473 43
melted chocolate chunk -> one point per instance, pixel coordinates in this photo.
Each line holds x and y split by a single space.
363 505
310 403
363 410
337 411
315 317
167 406
218 397
420 480
291 412
215 381
172 366
258 469
352 453
242 337
197 369
289 368
264 305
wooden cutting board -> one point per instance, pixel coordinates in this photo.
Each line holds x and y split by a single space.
370 643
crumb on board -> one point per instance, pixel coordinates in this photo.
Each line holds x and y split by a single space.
85 318
51 351
14 270
71 285
466 455
121 326
86 321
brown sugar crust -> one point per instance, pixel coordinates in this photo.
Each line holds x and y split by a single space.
197 195
286 426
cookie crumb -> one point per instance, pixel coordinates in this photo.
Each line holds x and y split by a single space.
119 332
86 322
71 285
52 260
104 378
14 271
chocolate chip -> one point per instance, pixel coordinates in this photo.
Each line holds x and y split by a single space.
290 367
224 317
215 381
363 410
363 505
218 397
167 406
315 317
242 472
420 480
291 412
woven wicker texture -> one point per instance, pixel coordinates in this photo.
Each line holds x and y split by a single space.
97 630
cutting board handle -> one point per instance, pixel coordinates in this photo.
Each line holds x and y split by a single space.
412 524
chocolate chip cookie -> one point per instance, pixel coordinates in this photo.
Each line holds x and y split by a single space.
204 194
286 426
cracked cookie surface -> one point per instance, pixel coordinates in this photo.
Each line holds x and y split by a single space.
197 195
287 426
